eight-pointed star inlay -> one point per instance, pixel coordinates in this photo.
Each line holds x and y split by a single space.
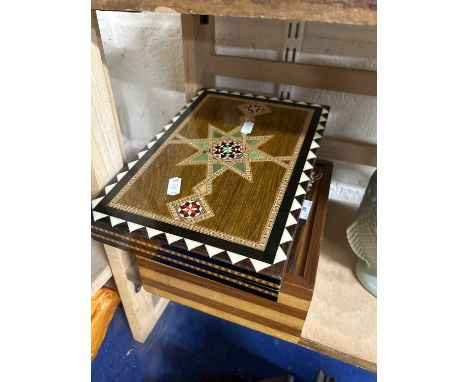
227 151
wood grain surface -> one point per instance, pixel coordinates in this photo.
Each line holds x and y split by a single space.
359 12
342 319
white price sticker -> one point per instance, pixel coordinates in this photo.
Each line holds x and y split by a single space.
305 209
173 187
247 127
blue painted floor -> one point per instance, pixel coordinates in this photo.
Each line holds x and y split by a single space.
188 345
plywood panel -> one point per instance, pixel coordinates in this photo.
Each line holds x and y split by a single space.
342 318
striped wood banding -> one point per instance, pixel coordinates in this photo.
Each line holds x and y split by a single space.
208 308
216 289
230 304
151 256
289 305
151 247
235 313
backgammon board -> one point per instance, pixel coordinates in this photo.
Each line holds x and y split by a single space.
219 192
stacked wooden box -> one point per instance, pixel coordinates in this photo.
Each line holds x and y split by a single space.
225 208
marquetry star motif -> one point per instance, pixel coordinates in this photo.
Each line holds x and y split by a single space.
227 151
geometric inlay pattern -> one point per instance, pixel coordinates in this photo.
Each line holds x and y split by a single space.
189 209
222 151
227 150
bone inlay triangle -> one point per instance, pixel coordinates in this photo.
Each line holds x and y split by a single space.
133 226
235 257
152 232
172 238
115 221
212 251
191 244
259 265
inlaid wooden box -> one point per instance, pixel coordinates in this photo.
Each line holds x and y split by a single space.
283 318
218 193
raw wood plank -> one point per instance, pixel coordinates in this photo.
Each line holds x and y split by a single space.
365 364
107 155
360 12
142 309
198 45
307 75
342 316
107 145
355 152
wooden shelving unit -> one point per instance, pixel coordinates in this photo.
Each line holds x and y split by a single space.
342 317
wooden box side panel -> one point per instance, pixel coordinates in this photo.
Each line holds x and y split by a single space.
278 319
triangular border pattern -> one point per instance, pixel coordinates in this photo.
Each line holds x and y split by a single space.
304 183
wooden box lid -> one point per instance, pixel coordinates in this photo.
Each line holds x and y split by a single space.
240 193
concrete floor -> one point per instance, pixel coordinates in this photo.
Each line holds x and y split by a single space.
188 345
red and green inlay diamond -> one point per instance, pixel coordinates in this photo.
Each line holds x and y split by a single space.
228 150
190 209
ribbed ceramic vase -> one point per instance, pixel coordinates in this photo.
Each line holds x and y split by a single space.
362 237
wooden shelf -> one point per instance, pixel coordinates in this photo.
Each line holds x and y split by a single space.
357 12
355 81
342 318
354 152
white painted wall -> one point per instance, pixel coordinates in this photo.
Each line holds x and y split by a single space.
144 55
